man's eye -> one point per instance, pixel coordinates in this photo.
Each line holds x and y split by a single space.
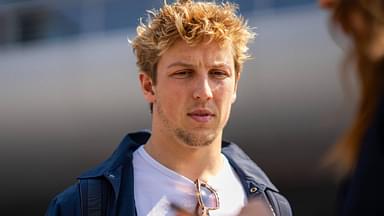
181 74
219 74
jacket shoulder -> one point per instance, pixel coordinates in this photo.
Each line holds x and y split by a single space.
247 169
65 203
245 165
279 203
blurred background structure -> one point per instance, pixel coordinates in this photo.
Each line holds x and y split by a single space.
69 93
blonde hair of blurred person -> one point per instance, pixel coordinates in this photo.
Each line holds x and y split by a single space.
362 22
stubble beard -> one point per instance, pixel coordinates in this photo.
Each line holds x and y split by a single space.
189 138
194 140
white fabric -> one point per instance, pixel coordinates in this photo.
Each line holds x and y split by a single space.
156 186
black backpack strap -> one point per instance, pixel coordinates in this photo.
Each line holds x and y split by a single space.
91 196
279 203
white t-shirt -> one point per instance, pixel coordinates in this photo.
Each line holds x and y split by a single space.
156 186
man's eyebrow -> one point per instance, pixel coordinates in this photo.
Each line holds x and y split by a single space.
221 65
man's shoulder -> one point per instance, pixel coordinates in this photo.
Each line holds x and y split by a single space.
248 170
65 203
68 202
121 154
244 165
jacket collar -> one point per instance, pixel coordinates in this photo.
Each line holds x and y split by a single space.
123 152
245 166
111 168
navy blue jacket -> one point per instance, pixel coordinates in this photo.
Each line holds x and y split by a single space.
117 171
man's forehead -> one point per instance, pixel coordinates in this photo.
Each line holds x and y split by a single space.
192 64
212 54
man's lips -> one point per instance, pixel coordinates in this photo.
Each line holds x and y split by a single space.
201 115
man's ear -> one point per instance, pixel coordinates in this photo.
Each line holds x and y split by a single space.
147 87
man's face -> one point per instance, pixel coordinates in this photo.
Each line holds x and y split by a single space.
195 89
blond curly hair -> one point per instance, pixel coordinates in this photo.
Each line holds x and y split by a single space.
193 22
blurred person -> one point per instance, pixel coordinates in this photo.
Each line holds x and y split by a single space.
190 57
359 156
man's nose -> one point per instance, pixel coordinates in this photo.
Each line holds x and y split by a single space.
203 89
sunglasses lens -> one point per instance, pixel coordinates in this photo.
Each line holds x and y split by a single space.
208 198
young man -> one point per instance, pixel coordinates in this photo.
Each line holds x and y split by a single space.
190 56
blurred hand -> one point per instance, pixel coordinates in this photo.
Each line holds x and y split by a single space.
255 207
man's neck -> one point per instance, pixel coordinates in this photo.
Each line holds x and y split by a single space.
190 161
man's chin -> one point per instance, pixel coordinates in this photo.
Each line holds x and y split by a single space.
196 138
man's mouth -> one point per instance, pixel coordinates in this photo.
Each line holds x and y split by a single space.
201 115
